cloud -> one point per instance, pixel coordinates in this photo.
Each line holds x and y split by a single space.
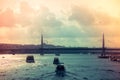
47 18
94 22
7 18
26 14
85 18
81 15
25 8
78 22
54 27
46 22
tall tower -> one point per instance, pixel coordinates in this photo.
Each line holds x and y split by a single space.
103 45
103 53
42 45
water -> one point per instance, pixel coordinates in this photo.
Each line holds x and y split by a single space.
78 66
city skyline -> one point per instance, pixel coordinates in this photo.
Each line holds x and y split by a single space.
63 22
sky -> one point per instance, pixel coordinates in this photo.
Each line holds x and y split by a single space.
69 23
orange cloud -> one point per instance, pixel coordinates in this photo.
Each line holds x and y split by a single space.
7 18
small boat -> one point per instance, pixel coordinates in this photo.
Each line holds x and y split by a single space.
60 70
57 54
104 57
56 61
30 59
115 58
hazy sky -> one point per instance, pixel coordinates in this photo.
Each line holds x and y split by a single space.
63 22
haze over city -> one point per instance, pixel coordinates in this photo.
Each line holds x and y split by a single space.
62 22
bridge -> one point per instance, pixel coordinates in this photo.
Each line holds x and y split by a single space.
61 50
103 50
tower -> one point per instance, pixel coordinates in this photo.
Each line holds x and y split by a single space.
103 42
103 53
42 45
103 46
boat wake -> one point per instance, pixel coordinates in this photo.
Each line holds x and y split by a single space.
53 76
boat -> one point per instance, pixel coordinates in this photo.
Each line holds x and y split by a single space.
56 61
104 57
57 54
115 58
30 59
60 70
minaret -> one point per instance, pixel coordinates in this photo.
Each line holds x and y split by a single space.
42 44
